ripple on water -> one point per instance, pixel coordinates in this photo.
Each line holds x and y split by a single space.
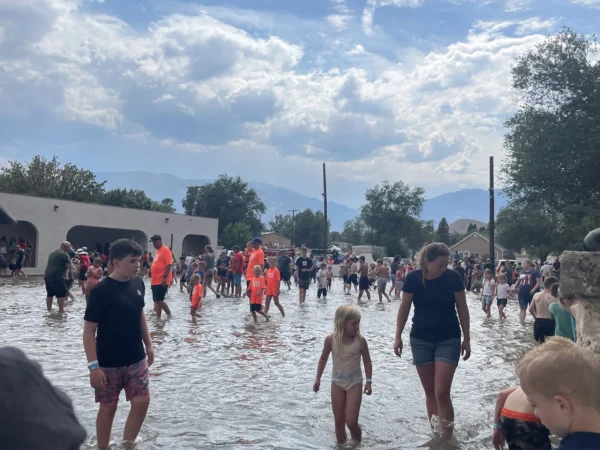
227 383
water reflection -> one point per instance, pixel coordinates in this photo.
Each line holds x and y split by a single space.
226 382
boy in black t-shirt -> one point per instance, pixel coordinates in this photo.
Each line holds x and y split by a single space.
114 334
305 267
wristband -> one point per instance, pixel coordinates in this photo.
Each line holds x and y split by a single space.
497 426
93 365
368 380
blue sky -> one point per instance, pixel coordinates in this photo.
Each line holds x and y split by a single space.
412 90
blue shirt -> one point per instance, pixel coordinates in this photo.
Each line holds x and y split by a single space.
580 441
201 273
528 278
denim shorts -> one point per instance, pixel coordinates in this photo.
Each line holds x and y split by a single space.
237 279
525 299
486 299
425 352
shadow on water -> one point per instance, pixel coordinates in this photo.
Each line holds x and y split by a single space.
225 382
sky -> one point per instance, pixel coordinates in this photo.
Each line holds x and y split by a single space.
411 90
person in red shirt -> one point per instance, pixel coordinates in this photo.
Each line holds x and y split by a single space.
237 269
84 265
257 258
273 282
256 292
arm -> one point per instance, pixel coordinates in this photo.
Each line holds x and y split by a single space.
403 311
167 272
498 440
147 340
323 362
493 292
364 351
537 285
533 308
465 322
97 377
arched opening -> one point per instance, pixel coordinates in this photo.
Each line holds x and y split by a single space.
194 244
99 238
26 234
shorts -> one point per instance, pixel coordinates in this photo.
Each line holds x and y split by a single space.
145 265
229 276
363 283
425 352
256 307
304 284
477 284
237 279
12 266
502 301
56 287
399 284
159 292
82 275
543 328
524 434
353 279
524 299
486 299
285 276
323 292
134 379
208 277
182 279
345 278
381 284
222 273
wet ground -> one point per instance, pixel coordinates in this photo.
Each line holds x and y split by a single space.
227 383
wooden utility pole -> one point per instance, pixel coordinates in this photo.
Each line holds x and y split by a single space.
293 211
325 228
491 224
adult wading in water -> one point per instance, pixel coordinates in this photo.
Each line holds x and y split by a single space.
435 340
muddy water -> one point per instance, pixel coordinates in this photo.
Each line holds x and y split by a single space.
227 383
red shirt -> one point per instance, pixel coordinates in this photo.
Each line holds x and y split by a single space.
84 262
237 265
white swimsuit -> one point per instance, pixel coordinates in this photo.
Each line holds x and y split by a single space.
346 364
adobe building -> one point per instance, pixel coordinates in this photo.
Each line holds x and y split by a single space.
47 222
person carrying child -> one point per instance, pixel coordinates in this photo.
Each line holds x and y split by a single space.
195 296
273 284
347 346
256 292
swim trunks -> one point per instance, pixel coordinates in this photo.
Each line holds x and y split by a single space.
363 283
524 431
134 379
381 284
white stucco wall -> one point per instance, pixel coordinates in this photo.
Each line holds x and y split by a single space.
53 226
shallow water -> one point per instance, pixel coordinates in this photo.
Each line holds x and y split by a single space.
227 383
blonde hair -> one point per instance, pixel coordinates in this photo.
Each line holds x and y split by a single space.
561 367
430 253
257 268
501 277
486 271
343 314
194 278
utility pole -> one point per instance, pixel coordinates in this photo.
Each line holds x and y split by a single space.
195 188
293 211
325 228
491 224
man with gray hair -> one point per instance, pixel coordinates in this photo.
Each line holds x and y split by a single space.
56 275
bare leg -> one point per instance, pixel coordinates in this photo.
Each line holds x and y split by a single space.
61 304
165 308
71 296
427 375
49 303
104 421
265 315
135 419
360 295
444 373
386 296
522 314
353 401
254 316
268 303
338 404
501 312
276 300
368 294
157 310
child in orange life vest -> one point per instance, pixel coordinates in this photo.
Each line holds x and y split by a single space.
256 291
195 295
273 281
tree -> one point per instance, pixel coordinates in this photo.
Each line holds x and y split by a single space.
391 211
308 228
229 199
335 236
236 234
281 224
354 231
46 178
443 231
134 198
472 227
168 205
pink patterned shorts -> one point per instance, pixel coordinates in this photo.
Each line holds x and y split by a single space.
133 378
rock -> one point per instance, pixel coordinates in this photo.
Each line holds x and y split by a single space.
580 275
588 325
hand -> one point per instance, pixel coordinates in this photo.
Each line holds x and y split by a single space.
465 349
398 347
317 385
150 355
367 388
97 379
532 292
498 439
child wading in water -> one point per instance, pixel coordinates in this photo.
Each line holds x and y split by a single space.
256 292
347 346
488 293
273 282
502 292
94 275
195 296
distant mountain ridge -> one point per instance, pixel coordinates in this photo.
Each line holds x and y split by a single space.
471 203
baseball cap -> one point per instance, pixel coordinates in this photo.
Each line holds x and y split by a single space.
256 241
156 237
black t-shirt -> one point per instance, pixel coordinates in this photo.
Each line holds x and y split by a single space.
580 441
283 263
435 318
117 306
491 267
461 272
304 263
556 265
394 267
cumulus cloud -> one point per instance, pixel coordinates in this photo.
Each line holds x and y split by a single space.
588 3
372 5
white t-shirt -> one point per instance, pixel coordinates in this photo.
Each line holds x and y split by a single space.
322 279
546 270
502 290
188 260
488 287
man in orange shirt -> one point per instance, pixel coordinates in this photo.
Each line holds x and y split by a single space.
273 277
257 258
161 275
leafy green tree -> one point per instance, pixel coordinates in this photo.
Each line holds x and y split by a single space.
168 205
308 228
228 199
134 198
443 231
335 236
46 178
281 224
237 233
472 227
354 231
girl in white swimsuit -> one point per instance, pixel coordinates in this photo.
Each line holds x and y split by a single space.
347 346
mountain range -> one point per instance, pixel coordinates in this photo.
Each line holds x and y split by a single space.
467 203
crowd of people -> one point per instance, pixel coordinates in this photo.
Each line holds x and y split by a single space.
119 349
15 254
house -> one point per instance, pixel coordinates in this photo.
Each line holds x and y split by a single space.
478 244
269 239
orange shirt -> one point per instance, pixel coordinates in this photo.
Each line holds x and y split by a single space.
273 278
256 258
196 296
162 258
256 286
